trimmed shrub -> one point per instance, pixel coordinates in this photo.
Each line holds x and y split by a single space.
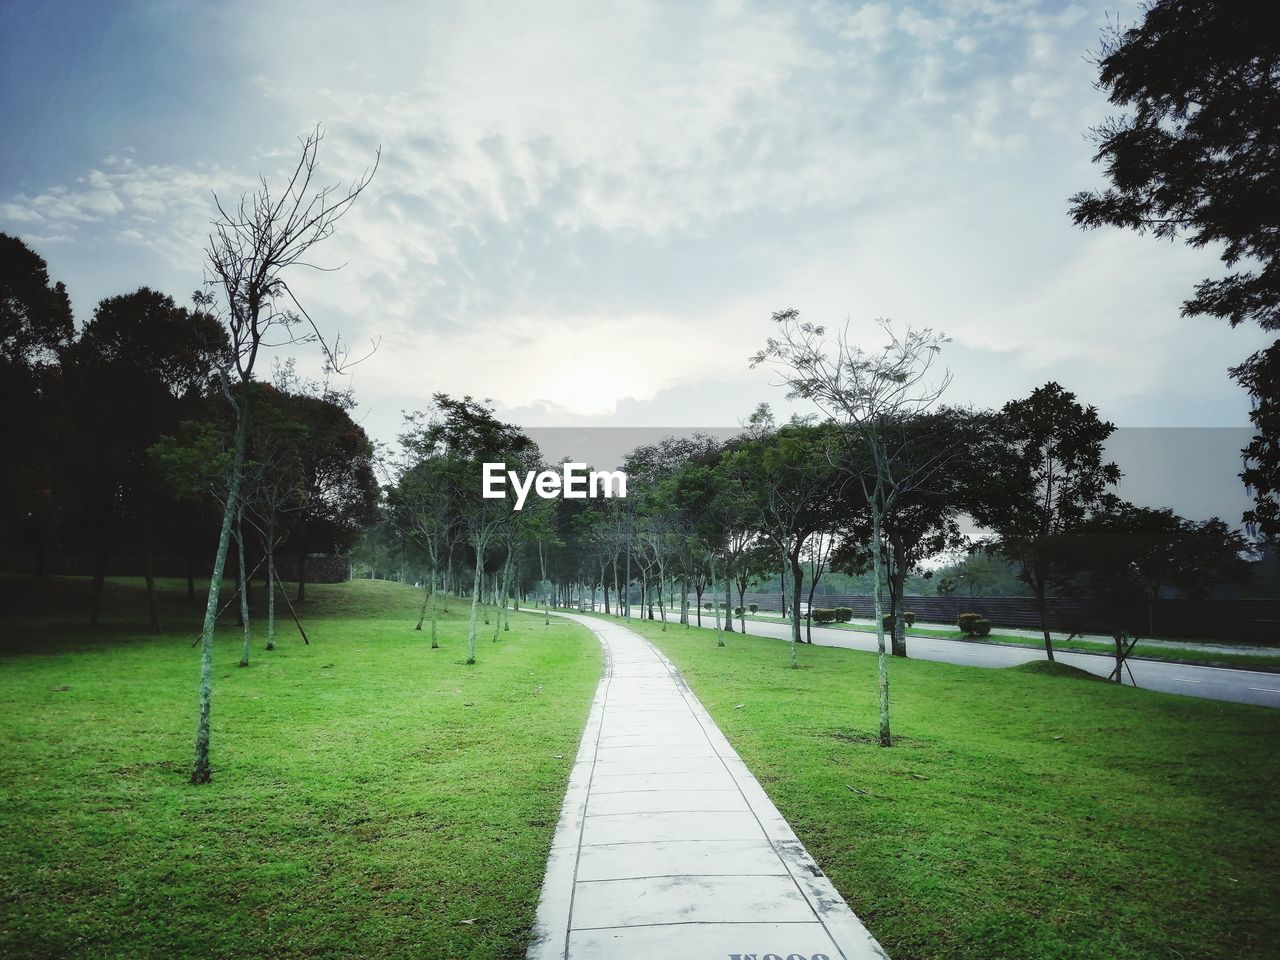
753 607
974 625
844 614
910 618
708 606
738 611
823 615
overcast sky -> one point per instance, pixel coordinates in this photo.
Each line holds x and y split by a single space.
588 211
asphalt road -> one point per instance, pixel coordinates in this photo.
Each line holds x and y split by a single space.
1210 683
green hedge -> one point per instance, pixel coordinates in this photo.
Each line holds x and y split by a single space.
974 625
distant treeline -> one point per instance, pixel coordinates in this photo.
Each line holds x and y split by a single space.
119 437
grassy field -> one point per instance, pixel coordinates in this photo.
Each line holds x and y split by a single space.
1021 814
1143 651
371 797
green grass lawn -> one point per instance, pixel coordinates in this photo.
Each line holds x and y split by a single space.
371 797
1144 651
1019 815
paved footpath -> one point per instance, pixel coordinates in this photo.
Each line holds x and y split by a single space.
667 847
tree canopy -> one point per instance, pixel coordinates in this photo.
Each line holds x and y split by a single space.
1197 156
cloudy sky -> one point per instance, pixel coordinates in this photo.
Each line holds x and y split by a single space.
588 211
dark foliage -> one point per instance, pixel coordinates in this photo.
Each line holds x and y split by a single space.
1197 156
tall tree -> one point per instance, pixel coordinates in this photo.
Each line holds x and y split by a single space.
36 326
874 400
250 252
140 366
1197 156
797 494
1125 556
1047 474
947 449
276 489
760 559
466 432
425 500
335 459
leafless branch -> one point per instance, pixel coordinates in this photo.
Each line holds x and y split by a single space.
254 242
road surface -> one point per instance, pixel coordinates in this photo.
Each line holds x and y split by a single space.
1210 683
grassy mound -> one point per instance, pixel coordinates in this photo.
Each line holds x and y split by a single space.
1052 668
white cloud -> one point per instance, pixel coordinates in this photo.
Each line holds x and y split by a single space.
586 205
165 208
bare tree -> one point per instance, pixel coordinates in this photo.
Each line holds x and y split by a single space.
250 248
427 493
872 398
274 489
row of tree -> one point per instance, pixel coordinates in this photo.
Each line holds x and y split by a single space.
880 480
876 480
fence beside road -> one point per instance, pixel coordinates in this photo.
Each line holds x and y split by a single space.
1257 620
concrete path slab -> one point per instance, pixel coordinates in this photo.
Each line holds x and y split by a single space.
667 846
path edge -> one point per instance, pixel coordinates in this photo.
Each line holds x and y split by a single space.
550 937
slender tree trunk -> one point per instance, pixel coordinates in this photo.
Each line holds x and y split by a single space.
99 580
499 585
239 573
475 603
715 605
271 583
149 573
435 627
244 586
248 575
1042 603
302 575
808 626
504 618
201 771
662 609
426 598
797 584
897 603
728 597
435 623
882 667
